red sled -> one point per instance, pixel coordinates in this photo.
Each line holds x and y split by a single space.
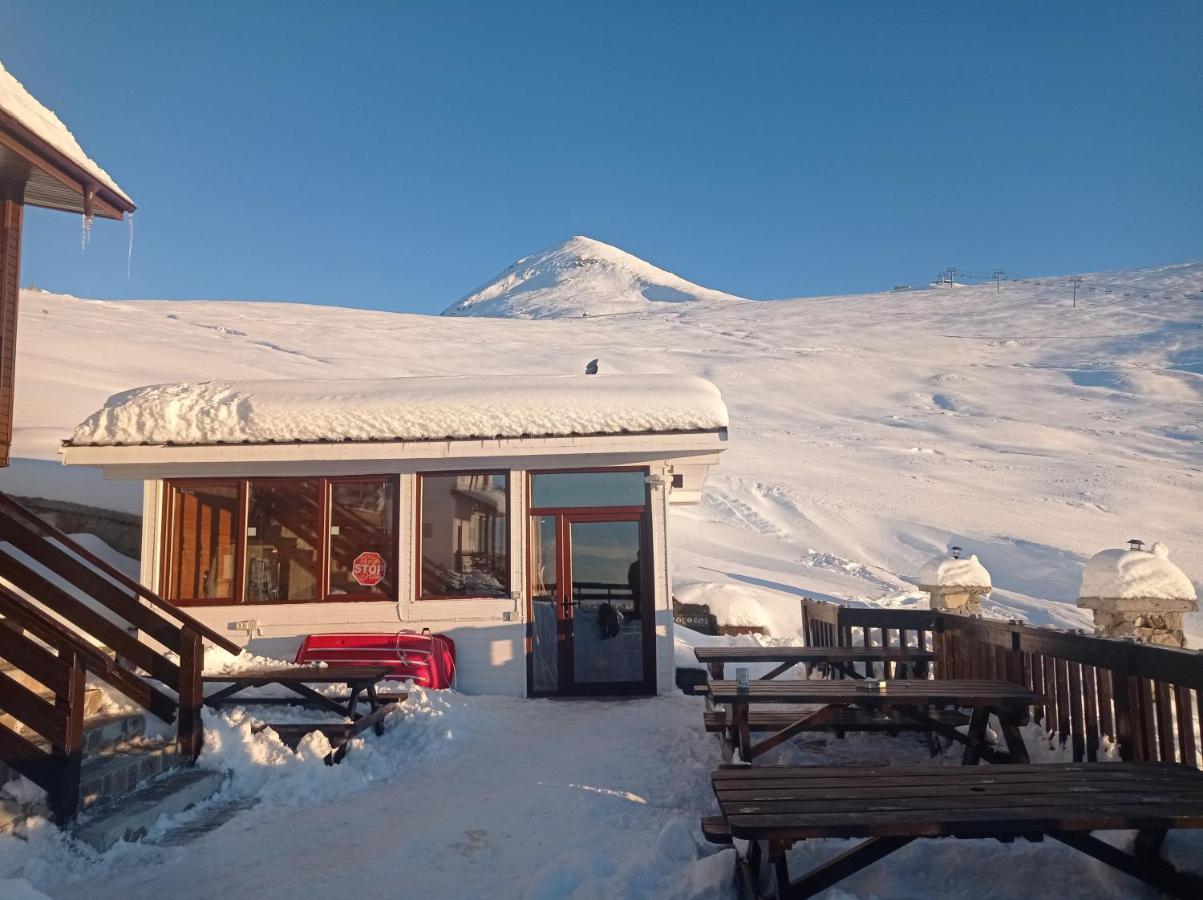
428 659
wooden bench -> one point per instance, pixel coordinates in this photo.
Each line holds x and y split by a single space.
890 806
838 721
339 734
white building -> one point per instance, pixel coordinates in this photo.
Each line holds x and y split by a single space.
524 517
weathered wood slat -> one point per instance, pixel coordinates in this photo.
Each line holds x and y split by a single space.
1077 726
1166 744
1186 726
1106 716
34 660
1147 718
32 711
1090 701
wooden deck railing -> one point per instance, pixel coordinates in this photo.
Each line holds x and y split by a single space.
59 601
1144 699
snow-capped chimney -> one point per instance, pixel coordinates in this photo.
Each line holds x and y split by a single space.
955 584
1137 593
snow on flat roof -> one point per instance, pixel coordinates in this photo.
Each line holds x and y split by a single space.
413 409
42 122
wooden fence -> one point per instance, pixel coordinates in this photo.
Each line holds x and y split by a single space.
1145 700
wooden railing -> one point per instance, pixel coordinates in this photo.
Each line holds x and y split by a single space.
832 625
59 601
1145 700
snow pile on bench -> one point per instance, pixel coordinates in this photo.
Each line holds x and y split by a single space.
17 102
414 409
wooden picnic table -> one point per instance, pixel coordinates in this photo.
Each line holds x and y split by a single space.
909 697
840 658
893 805
360 679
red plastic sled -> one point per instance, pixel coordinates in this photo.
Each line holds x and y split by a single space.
428 659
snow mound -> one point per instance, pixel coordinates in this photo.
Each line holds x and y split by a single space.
416 409
17 102
1132 574
739 605
945 571
579 277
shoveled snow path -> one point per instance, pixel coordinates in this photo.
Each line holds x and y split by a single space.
539 797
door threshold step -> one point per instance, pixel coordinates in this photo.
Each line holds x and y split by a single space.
129 818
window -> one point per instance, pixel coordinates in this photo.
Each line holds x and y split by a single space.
201 550
363 538
465 535
557 490
281 540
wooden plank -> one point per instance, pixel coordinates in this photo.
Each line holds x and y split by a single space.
1106 716
1186 726
1061 684
1166 744
1036 664
34 660
1090 701
64 797
1147 718
1076 716
33 711
1050 692
813 655
23 756
308 675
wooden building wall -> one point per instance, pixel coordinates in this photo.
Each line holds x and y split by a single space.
11 214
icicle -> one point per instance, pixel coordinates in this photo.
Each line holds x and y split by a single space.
89 212
129 258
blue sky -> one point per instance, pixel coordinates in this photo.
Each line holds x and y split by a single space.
397 155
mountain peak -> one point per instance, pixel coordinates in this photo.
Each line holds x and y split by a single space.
580 276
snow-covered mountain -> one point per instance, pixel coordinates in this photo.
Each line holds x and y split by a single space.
576 278
868 431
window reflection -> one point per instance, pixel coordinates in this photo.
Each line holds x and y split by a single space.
201 555
465 537
282 541
552 490
363 538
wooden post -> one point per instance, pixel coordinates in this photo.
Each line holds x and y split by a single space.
12 211
189 728
64 800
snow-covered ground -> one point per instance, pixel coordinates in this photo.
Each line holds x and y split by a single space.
868 433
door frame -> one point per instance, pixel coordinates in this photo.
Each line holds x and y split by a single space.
565 517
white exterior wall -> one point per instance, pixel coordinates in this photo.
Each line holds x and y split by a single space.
489 634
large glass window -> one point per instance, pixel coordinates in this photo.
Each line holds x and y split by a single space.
282 541
557 490
203 544
363 538
465 535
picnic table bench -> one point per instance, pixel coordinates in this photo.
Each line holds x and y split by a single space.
360 680
891 806
910 698
841 659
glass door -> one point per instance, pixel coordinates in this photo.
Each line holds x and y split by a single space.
591 614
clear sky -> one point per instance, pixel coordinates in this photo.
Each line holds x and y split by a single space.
397 155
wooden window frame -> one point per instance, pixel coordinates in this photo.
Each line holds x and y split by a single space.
509 549
324 497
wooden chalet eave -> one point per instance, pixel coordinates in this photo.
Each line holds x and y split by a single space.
95 198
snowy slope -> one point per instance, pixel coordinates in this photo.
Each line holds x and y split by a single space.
867 432
579 277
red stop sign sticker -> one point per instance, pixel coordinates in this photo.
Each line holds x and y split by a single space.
368 568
